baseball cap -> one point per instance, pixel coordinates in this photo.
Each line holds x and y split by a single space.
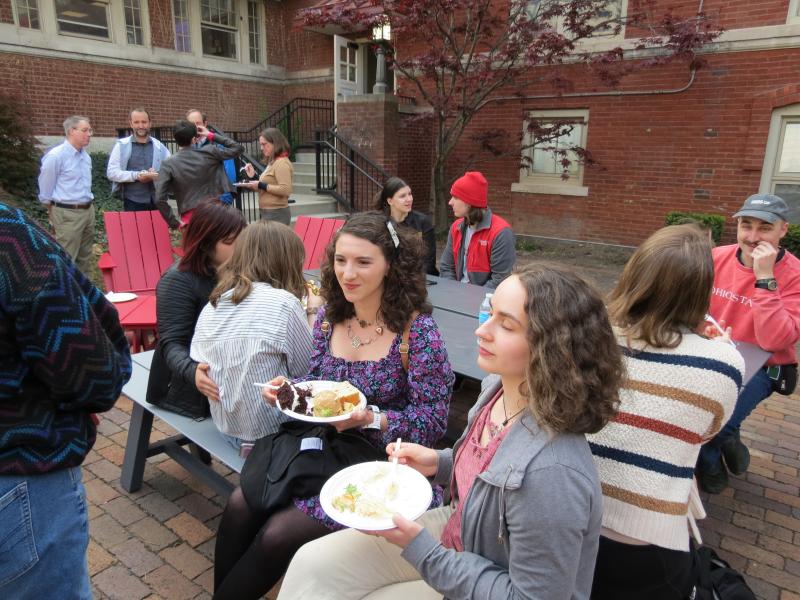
767 207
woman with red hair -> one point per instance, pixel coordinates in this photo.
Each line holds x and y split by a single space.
177 382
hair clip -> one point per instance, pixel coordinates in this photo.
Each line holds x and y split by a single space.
393 233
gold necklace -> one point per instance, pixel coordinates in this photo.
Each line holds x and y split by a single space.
356 341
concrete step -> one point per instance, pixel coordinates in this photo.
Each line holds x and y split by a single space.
304 179
312 205
309 158
306 189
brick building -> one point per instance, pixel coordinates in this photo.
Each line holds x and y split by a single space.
667 139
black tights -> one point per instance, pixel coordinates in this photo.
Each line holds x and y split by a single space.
254 548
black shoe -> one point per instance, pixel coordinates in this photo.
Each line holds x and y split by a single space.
713 480
736 455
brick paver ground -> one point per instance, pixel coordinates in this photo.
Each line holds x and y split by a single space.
159 542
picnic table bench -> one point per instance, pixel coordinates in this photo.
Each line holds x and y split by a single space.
202 437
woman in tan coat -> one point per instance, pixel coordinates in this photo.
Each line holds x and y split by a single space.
275 184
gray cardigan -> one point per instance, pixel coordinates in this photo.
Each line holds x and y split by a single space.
530 523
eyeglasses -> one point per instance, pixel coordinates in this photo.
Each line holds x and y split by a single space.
88 130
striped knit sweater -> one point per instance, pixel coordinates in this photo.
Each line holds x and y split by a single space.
673 401
63 354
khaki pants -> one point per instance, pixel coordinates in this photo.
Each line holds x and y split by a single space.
74 230
350 565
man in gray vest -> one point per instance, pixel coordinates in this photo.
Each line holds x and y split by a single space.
134 163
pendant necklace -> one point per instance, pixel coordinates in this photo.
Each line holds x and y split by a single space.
355 340
495 430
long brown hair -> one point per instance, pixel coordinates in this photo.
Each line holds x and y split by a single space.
266 251
212 221
404 289
573 378
665 288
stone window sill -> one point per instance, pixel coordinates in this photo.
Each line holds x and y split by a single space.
533 187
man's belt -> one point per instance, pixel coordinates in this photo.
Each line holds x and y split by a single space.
83 205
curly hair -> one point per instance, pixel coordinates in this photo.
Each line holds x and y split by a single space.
268 252
404 288
665 288
572 381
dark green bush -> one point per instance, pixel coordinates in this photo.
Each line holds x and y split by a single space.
19 156
791 240
715 223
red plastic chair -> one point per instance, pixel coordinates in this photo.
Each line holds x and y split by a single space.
316 233
139 251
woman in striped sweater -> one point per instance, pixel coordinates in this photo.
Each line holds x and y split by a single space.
680 391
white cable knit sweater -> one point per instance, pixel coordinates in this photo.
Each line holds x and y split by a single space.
673 401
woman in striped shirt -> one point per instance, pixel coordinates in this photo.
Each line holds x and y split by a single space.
681 388
255 328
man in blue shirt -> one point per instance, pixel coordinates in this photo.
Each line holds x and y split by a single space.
134 162
65 187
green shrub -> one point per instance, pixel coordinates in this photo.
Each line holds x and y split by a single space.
715 223
103 199
19 156
791 240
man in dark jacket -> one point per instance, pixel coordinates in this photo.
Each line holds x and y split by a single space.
191 174
63 356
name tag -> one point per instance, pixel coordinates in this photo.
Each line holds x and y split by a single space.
310 444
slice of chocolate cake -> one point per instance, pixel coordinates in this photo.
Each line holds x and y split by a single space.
293 397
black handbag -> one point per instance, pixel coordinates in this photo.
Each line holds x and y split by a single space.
297 460
716 580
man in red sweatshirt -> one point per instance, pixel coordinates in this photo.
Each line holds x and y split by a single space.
757 294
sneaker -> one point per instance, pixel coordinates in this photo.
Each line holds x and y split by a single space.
736 455
712 480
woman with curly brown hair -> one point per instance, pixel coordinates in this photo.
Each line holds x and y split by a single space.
374 287
524 520
680 390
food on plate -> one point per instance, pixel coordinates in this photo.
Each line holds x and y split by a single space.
370 501
340 399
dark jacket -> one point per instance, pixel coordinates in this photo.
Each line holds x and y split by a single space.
63 354
194 174
422 224
180 296
490 256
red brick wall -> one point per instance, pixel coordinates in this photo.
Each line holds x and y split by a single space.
729 14
6 12
162 31
700 150
105 93
414 154
304 49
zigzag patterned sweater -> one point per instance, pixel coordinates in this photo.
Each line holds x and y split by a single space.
673 401
63 354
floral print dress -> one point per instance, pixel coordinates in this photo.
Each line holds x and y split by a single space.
416 402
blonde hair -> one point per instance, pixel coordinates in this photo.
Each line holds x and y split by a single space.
267 252
665 288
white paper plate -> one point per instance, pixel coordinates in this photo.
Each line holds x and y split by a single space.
121 296
317 387
413 497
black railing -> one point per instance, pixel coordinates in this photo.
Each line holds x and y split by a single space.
346 174
297 120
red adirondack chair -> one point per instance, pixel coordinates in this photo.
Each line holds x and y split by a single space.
139 251
316 233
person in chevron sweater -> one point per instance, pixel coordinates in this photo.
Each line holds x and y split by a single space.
63 356
681 389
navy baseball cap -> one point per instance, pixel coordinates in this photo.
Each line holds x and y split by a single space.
767 207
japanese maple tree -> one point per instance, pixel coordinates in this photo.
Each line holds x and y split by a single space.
459 55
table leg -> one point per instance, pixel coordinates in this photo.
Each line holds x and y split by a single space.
136 448
203 455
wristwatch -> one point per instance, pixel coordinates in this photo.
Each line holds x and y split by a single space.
376 417
770 284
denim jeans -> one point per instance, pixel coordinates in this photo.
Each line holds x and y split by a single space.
44 534
757 389
131 206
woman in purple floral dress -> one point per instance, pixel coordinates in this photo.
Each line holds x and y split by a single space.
373 283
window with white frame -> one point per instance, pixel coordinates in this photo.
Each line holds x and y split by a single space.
254 31
550 166
794 12
134 31
611 10
180 18
27 13
781 174
218 28
83 17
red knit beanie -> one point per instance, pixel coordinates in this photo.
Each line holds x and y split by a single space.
472 188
